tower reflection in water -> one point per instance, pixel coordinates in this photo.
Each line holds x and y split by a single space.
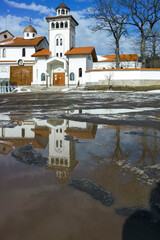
48 135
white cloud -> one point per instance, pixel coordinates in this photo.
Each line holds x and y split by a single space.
39 8
103 43
101 40
16 25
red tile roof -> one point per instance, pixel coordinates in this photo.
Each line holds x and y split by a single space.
20 41
42 53
83 51
122 57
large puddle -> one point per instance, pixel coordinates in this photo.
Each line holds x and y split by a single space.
39 159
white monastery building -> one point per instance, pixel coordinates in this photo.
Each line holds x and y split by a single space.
32 60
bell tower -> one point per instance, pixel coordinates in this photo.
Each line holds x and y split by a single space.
61 31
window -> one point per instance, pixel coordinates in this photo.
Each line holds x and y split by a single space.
52 25
59 12
61 24
23 52
71 76
80 72
62 12
23 132
4 52
66 24
33 35
67 12
5 36
56 54
43 77
60 54
57 42
27 34
57 25
61 42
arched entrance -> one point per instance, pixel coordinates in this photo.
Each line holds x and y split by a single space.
56 67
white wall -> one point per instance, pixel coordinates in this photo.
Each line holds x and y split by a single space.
76 62
110 65
4 71
38 69
15 53
123 77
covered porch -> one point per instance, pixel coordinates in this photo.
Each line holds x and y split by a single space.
57 72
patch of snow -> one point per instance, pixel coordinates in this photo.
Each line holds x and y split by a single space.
21 90
153 91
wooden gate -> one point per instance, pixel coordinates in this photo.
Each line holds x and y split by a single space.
21 75
59 79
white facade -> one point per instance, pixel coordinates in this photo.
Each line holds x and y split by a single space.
59 62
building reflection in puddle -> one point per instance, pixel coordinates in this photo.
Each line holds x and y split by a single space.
49 134
117 145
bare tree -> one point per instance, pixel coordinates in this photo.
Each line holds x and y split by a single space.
153 43
143 14
107 14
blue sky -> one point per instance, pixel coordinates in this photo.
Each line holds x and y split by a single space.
15 15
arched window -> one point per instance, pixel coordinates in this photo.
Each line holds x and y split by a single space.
80 72
61 41
59 12
67 12
4 52
57 25
61 24
62 12
43 77
33 35
52 25
71 76
23 52
57 42
27 34
66 24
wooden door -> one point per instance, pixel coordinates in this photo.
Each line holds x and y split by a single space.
59 79
21 75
